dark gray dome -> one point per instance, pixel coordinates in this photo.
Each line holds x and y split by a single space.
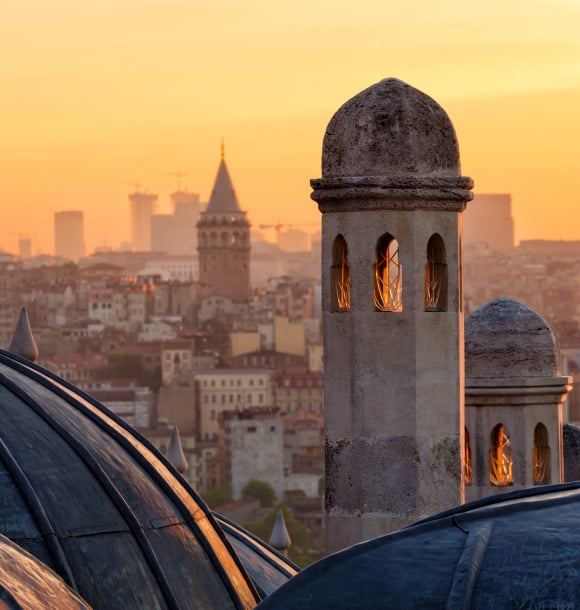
92 499
390 129
507 339
515 550
28 584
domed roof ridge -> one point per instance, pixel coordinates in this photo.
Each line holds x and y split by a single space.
125 503
505 338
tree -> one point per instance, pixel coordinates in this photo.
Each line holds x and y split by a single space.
262 491
303 549
217 497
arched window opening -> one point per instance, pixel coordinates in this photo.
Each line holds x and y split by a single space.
500 457
388 275
541 456
340 276
436 275
468 463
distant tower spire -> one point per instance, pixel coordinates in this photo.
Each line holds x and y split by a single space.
223 151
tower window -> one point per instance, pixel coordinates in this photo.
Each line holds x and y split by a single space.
388 275
500 457
340 276
541 456
468 463
436 275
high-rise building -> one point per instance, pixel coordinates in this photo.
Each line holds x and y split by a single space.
69 234
177 233
142 206
488 220
24 248
224 243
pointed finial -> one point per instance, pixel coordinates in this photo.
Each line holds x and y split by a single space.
175 453
223 148
280 538
23 343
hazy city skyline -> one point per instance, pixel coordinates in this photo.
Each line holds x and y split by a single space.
97 96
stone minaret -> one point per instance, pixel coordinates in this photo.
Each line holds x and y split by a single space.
513 400
391 196
224 243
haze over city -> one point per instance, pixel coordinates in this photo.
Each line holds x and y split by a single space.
96 96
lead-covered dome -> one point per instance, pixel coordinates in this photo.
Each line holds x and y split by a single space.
504 338
514 550
390 129
92 499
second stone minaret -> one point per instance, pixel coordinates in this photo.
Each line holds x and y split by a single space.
391 196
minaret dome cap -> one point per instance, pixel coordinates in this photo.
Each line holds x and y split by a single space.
504 338
390 129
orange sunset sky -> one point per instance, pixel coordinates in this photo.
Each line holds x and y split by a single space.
99 94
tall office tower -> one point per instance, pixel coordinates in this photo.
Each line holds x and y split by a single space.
142 206
177 233
69 234
24 248
488 220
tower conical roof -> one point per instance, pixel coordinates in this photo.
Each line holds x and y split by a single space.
223 197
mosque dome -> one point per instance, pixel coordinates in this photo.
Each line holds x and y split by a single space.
93 500
514 550
507 339
390 129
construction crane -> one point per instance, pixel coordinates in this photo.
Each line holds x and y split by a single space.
282 225
135 185
178 174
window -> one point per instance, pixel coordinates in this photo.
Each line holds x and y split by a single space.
340 276
500 457
388 275
468 464
436 275
541 456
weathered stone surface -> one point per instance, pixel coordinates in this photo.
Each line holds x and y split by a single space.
507 339
571 452
374 473
390 129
